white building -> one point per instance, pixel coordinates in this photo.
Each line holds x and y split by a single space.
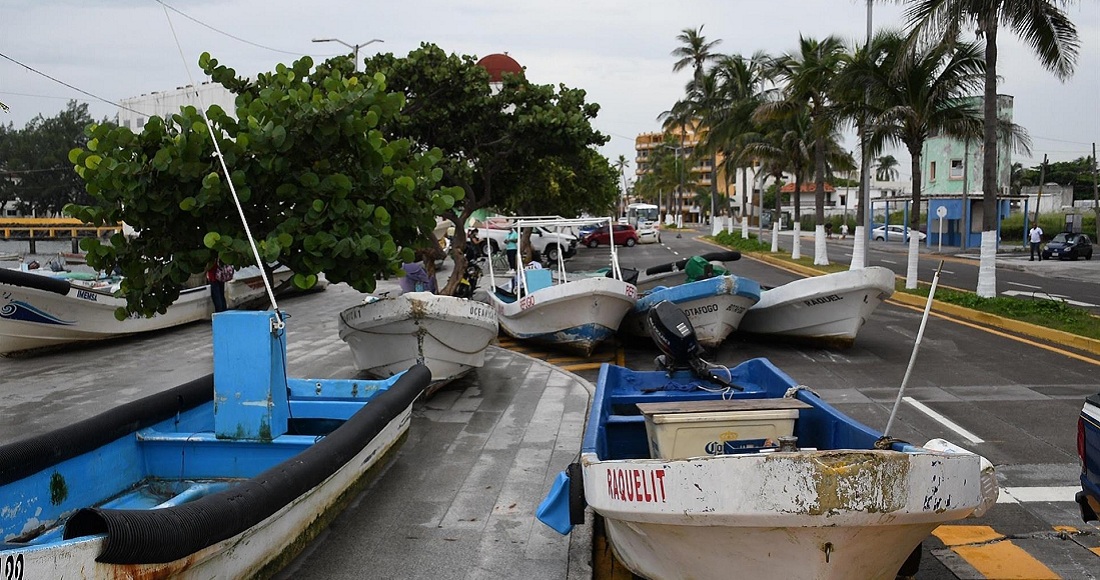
137 110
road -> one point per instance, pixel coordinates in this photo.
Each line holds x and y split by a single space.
1013 400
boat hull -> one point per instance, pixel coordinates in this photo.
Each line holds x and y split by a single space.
714 306
448 335
831 308
576 315
828 514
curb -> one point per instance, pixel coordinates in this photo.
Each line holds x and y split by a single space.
1082 343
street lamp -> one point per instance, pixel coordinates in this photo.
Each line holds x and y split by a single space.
679 172
354 47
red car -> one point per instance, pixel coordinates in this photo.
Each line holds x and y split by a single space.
625 235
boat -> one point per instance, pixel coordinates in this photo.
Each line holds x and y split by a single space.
387 334
714 306
698 469
42 308
829 309
674 273
228 476
575 314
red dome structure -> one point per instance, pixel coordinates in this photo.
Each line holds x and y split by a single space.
498 64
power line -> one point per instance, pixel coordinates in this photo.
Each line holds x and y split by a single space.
222 32
61 82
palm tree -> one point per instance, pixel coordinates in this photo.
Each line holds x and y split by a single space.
1046 29
916 93
696 52
886 168
621 164
740 89
809 75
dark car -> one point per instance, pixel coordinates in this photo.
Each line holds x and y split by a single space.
625 235
1067 245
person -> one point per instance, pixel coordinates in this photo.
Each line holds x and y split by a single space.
1036 236
843 231
829 230
511 242
473 245
216 276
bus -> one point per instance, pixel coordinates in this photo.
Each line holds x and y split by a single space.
638 214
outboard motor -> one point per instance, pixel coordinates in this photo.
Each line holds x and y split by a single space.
674 335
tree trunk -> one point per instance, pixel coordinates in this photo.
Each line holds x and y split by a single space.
987 267
914 217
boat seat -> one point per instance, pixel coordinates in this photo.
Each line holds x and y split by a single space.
538 279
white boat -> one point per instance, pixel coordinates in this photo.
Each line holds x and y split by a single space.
829 309
575 314
42 309
715 307
705 472
449 335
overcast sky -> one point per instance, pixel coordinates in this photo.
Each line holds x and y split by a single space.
616 50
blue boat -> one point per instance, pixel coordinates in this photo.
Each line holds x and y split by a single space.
228 476
715 306
698 470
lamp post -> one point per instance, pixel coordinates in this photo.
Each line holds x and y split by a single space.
353 47
679 171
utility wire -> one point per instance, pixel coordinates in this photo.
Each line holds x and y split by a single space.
61 82
222 32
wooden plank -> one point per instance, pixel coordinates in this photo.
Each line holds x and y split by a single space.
721 405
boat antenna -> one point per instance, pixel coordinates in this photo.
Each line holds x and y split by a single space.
916 347
279 323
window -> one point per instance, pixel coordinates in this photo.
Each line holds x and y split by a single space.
956 169
932 171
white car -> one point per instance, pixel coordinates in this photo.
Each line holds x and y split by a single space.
649 233
896 232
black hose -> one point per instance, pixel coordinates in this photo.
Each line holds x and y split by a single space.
36 281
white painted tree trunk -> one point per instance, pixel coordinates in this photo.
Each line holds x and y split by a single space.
729 225
796 243
987 267
775 237
821 252
914 259
859 249
744 228
716 224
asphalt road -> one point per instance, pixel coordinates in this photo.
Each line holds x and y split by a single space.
1013 400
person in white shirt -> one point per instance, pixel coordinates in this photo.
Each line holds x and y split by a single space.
1036 237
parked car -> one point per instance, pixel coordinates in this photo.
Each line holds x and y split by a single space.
1088 448
649 233
1068 245
897 232
625 235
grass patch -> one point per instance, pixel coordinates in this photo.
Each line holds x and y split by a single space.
1039 311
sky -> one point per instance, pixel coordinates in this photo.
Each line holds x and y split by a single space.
618 51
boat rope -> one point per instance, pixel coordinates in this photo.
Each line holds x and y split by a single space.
279 322
792 393
421 329
916 347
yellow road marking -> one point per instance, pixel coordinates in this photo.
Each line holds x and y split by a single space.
582 367
1005 560
988 552
960 535
1067 529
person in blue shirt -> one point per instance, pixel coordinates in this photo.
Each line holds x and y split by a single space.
511 242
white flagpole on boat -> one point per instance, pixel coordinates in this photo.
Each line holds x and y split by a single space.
225 171
916 347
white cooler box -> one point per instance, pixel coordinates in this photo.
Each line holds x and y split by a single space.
675 433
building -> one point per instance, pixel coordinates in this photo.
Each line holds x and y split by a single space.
696 177
135 111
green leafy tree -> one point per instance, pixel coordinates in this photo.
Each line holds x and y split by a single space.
506 149
35 161
322 188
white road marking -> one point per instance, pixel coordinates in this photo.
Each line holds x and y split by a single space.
1035 494
1048 296
888 261
1023 285
943 420
947 272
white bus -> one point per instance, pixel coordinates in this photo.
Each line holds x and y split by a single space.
638 214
